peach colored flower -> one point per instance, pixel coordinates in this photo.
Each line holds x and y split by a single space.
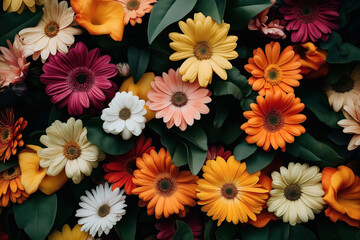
351 124
135 10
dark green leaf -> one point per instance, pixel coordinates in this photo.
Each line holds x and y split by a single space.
221 88
166 12
300 152
244 150
299 232
58 114
279 231
226 231
209 230
181 155
183 231
109 143
252 233
8 164
230 132
34 138
196 159
159 62
259 160
126 227
212 8
241 81
66 205
138 62
36 215
222 111
194 134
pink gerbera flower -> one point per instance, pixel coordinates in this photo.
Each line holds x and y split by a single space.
135 10
79 79
310 19
177 102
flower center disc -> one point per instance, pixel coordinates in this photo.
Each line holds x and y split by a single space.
292 192
273 74
165 186
125 114
273 121
179 99
5 134
104 210
229 191
72 150
202 51
81 79
131 166
306 13
11 173
133 5
51 29
345 84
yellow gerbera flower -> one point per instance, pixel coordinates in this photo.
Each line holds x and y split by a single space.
67 233
229 192
19 5
206 47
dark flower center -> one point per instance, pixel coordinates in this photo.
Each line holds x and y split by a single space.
131 166
166 186
81 79
306 12
345 84
133 5
229 191
5 134
11 173
104 210
292 192
179 99
202 50
273 121
72 150
124 114
273 74
51 29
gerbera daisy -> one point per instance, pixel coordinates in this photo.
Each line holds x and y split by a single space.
346 91
217 151
11 187
310 20
10 133
54 33
297 193
274 120
351 124
69 234
135 10
229 192
177 102
19 5
125 115
274 71
13 64
206 47
120 169
79 79
162 186
68 147
101 209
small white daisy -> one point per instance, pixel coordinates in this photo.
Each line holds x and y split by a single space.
53 33
297 193
101 209
125 115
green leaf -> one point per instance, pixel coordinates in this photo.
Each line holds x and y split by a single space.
300 152
36 215
239 12
209 230
57 114
66 205
252 233
34 138
183 231
166 12
180 157
230 132
226 231
126 227
222 88
244 150
196 158
194 134
241 81
12 162
13 22
279 231
213 8
299 232
259 160
108 143
222 111
138 62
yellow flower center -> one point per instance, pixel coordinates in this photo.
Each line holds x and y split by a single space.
273 121
179 99
72 150
273 74
292 192
125 114
165 185
11 173
202 50
104 210
229 191
51 29
133 4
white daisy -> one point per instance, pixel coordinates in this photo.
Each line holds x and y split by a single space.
351 124
69 148
297 193
101 209
53 33
125 115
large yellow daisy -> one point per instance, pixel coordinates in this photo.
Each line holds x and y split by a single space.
206 48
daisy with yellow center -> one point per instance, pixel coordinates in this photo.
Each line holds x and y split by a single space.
135 10
228 192
11 188
19 5
206 48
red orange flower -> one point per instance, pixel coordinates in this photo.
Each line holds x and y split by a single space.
11 187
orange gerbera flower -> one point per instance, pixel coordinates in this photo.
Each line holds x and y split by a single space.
274 120
11 187
10 134
162 186
342 194
100 17
272 71
135 10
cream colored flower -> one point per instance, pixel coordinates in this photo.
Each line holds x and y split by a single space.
69 148
351 124
54 33
19 5
346 91
297 193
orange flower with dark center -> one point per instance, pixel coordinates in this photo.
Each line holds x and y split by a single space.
274 120
10 134
165 190
11 187
273 71
342 194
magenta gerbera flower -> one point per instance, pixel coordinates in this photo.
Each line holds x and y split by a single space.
79 79
310 19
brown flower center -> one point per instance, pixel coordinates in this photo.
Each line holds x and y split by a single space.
306 12
5 134
133 5
273 121
179 99
292 192
273 74
11 173
229 191
51 29
345 84
165 185
104 210
124 114
202 50
81 79
72 150
131 166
